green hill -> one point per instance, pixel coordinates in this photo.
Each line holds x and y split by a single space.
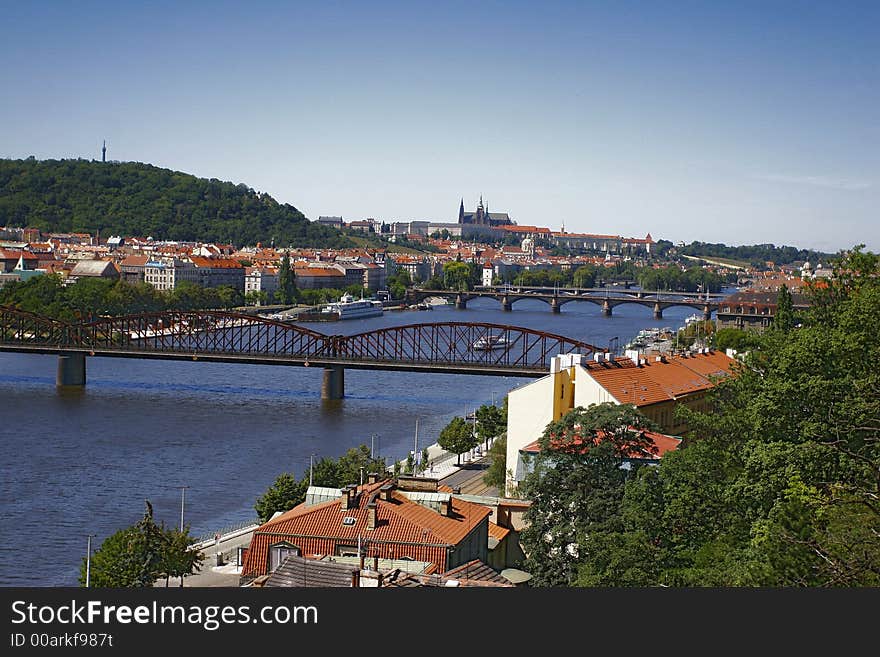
136 199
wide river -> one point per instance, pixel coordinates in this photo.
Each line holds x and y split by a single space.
83 463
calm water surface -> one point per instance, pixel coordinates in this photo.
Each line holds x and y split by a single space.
84 462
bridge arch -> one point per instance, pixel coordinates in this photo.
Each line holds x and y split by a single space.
459 344
203 331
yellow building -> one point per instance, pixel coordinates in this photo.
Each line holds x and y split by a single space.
655 386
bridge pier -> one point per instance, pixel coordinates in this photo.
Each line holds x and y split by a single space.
658 311
707 313
71 370
460 302
506 305
333 383
555 305
606 308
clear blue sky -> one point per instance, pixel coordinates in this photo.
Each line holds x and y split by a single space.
731 122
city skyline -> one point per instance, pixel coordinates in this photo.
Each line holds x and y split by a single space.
742 125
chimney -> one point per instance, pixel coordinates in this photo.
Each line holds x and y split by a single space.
372 516
349 497
385 492
372 477
446 507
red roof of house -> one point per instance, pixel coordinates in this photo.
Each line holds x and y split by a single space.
662 443
215 263
400 520
318 271
134 261
657 381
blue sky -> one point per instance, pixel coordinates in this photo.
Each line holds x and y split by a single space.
723 122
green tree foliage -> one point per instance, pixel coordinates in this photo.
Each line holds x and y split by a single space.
491 422
457 437
576 487
584 276
783 320
496 474
139 555
286 492
398 283
131 198
733 338
674 278
89 298
287 292
457 275
777 484
756 254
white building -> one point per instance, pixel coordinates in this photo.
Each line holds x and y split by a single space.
166 273
654 386
257 279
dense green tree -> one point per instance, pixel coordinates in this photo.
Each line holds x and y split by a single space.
135 199
733 338
457 275
457 437
178 557
783 320
777 484
496 474
491 422
286 282
576 487
138 555
284 494
584 276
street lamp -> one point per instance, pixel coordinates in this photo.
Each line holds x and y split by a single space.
89 558
182 503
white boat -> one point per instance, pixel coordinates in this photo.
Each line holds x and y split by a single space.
490 342
693 318
350 308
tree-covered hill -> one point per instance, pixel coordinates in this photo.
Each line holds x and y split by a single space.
136 199
756 254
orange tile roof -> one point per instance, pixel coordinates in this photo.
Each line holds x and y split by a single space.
415 529
497 531
135 261
662 443
656 381
317 271
215 263
399 520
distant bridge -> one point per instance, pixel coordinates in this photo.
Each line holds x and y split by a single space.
216 336
556 298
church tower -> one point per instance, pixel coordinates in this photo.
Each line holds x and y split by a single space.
461 212
104 152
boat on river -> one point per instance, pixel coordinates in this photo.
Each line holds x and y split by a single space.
350 308
490 343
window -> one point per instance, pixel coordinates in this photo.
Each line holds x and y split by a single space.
278 553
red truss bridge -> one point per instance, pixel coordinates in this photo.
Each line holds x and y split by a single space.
215 336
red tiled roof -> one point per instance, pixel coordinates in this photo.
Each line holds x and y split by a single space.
661 381
662 443
134 261
317 271
215 263
497 531
399 521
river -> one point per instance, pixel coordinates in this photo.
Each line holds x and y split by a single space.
84 462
